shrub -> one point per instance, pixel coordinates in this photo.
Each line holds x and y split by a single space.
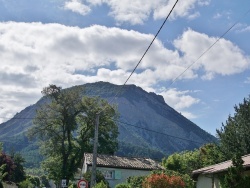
34 180
189 182
73 186
123 185
136 181
101 184
163 181
25 184
99 177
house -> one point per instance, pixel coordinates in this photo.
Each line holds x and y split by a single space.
117 169
208 177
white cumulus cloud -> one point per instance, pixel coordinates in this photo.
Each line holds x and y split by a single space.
34 55
138 11
224 58
77 6
179 100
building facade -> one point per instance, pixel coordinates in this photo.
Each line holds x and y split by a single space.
117 169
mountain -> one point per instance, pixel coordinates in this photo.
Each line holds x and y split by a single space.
148 126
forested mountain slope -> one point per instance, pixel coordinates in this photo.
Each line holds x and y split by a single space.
147 125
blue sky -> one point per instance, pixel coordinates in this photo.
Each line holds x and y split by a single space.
72 42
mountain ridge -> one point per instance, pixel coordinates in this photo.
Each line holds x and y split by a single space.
146 121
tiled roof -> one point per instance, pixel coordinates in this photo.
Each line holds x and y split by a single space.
123 162
220 167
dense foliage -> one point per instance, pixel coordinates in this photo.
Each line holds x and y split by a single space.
136 181
2 174
25 184
187 161
128 149
234 143
19 173
123 185
8 167
99 178
234 135
65 128
101 184
163 181
11 167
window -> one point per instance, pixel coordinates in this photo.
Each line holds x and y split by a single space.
109 174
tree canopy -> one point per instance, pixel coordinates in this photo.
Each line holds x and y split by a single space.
234 134
64 125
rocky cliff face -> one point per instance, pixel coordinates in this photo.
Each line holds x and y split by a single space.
147 125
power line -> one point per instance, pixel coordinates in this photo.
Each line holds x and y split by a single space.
151 42
143 54
150 130
170 84
209 48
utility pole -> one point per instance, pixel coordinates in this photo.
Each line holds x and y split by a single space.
94 160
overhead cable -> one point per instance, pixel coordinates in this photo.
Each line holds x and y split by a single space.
209 48
143 54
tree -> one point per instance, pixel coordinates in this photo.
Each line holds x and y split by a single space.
210 154
44 181
234 143
19 173
64 125
234 135
184 162
235 177
7 165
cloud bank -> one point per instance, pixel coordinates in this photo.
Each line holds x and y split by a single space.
138 11
34 55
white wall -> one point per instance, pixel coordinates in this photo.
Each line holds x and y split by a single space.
124 174
206 181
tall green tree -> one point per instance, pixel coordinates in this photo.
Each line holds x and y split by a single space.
187 161
19 173
235 176
234 134
184 162
64 125
234 143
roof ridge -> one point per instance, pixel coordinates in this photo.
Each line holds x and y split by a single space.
123 162
121 156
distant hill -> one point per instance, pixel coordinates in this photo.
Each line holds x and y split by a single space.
148 126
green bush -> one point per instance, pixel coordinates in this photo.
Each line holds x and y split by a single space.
189 182
123 185
34 180
136 181
25 184
101 184
73 186
99 177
